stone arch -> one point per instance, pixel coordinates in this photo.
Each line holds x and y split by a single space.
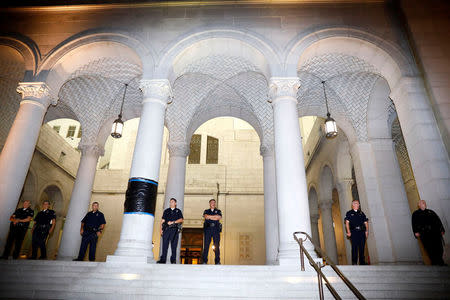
385 56
27 49
255 48
13 67
313 200
380 111
326 182
74 55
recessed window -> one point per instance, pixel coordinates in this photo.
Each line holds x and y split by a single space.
196 143
71 131
79 133
57 128
212 150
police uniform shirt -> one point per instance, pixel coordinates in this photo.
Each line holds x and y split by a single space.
212 213
45 217
93 219
172 214
22 213
356 219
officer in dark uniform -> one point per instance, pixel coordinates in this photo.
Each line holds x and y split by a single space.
20 220
91 228
44 223
171 220
428 227
212 229
357 226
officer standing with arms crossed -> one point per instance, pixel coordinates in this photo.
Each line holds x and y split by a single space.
212 229
44 224
357 226
20 220
170 221
91 228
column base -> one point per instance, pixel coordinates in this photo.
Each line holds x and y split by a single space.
130 259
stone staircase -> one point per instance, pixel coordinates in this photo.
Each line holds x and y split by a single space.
97 280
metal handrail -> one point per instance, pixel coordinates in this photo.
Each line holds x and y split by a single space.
318 267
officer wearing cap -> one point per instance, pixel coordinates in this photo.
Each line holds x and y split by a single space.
169 229
212 229
20 220
357 226
91 228
44 223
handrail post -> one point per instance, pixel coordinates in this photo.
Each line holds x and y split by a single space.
319 281
302 259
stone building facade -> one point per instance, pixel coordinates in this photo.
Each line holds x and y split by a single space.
261 62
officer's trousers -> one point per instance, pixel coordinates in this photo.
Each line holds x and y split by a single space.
214 233
89 238
15 236
358 238
169 235
432 242
38 241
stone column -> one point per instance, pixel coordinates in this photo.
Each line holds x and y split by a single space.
79 201
392 190
135 244
379 242
429 158
344 187
315 229
328 229
270 204
293 208
176 175
19 147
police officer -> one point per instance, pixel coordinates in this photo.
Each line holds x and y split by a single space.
428 227
20 220
91 228
170 221
44 223
357 226
212 229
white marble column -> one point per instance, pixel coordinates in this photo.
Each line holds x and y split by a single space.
79 201
176 175
379 242
135 244
19 147
344 187
270 204
328 229
293 207
392 190
429 158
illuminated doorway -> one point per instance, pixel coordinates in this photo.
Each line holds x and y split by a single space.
191 246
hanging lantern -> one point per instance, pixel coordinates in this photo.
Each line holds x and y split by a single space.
330 124
330 127
117 127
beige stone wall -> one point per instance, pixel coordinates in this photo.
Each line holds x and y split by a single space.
428 23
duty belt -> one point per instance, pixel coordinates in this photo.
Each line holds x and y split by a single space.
358 228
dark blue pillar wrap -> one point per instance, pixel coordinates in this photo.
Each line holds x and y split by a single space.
141 196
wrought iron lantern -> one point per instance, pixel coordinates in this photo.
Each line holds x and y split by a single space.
117 127
330 124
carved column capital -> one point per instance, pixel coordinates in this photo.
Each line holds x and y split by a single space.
156 90
178 149
314 218
91 149
344 184
37 92
266 150
283 87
